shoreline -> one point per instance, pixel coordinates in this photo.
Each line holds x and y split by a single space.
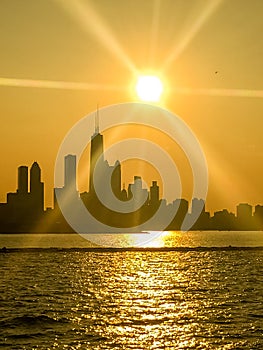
130 249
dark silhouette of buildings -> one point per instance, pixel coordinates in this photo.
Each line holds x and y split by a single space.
24 209
244 215
258 217
70 172
36 189
22 188
105 190
181 207
223 220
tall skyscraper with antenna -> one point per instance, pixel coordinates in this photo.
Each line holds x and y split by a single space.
96 152
106 175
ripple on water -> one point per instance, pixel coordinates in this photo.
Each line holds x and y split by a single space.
132 300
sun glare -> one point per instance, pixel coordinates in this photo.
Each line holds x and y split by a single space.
149 88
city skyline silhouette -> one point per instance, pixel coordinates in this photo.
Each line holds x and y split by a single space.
24 210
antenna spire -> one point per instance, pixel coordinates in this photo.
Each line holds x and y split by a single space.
97 129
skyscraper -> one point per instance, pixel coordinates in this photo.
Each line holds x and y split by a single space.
116 179
36 188
96 153
35 177
154 194
22 180
66 197
137 192
70 173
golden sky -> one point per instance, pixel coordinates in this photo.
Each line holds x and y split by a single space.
209 53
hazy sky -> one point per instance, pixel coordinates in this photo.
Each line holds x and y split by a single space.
212 45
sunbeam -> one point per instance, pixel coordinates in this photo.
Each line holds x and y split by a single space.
219 92
91 22
154 30
223 173
50 84
178 48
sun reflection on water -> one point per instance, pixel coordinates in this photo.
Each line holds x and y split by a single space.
134 299
155 239
140 298
150 239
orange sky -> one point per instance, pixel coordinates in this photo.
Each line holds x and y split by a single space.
197 44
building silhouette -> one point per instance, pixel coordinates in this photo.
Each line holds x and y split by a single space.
181 208
154 197
24 209
244 216
96 154
105 188
224 220
22 188
258 217
36 189
70 172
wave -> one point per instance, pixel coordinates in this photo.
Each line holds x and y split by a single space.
28 320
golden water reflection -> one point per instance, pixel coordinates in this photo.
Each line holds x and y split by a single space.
147 240
143 299
177 239
156 239
135 298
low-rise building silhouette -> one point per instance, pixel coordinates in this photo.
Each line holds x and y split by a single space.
244 216
258 217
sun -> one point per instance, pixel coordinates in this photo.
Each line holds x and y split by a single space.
149 88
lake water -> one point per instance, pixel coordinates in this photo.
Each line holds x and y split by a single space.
79 299
152 239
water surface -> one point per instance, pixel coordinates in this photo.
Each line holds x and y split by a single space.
131 300
152 239
189 298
